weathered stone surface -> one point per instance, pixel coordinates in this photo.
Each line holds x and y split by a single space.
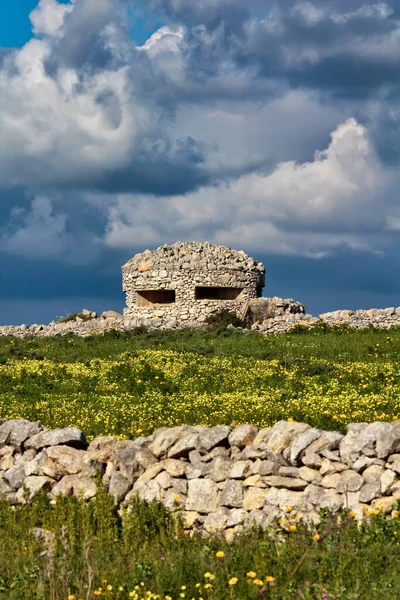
331 481
369 491
384 504
373 473
203 496
310 475
243 435
388 478
253 498
314 461
262 436
300 444
184 446
164 439
118 486
145 459
220 468
282 434
190 518
291 483
101 442
149 474
232 494
329 440
350 481
214 436
329 468
70 436
15 477
254 481
239 469
175 468
174 500
69 459
15 432
236 517
216 521
164 480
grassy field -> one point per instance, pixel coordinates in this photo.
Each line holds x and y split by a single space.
130 384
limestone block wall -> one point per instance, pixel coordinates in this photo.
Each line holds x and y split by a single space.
203 278
220 479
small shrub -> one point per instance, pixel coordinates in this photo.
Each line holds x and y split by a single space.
73 317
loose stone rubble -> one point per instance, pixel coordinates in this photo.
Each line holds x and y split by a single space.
221 480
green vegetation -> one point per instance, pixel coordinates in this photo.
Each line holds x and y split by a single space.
88 551
130 383
124 384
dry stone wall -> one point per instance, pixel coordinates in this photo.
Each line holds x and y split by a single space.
220 479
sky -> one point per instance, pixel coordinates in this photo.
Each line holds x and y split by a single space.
269 126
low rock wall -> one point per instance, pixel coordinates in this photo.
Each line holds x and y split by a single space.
221 479
285 315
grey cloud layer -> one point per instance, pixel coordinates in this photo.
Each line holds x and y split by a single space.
211 129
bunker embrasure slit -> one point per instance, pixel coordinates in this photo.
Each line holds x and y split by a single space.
149 297
217 293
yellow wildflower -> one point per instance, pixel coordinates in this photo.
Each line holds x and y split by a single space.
233 581
220 554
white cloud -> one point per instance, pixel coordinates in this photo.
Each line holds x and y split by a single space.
48 17
309 209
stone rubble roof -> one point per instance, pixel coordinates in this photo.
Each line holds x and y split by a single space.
171 257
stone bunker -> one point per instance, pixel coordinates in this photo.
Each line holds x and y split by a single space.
190 281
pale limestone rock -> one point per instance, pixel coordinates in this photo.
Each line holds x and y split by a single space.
384 504
300 444
236 517
350 481
262 436
164 480
70 436
180 485
291 483
15 476
373 473
310 475
282 434
214 436
369 491
243 435
253 498
15 432
101 442
220 468
35 484
232 494
184 445
254 481
288 471
118 486
388 478
329 440
203 496
164 439
216 521
149 474
329 468
331 481
84 488
239 469
314 461
68 459
175 468
145 459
